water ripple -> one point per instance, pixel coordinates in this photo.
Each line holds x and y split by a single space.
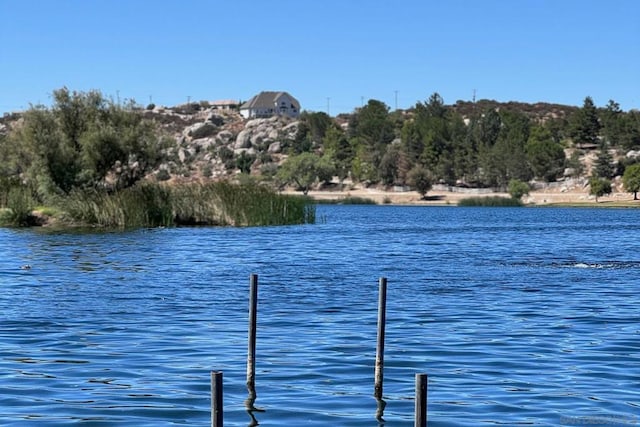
517 318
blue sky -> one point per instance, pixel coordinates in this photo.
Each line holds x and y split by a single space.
330 54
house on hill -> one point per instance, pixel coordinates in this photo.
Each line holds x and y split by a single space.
268 104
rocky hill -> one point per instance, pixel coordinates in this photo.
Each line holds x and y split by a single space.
209 142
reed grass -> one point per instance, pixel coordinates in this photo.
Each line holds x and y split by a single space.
348 200
16 204
492 201
220 203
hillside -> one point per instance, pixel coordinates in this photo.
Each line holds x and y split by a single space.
208 143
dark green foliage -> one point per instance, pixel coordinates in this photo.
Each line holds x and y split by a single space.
305 169
546 157
631 179
338 149
349 200
620 129
84 141
420 179
599 186
311 131
371 129
492 201
244 162
508 158
585 124
517 189
604 164
163 175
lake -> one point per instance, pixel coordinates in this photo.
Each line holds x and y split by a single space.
520 316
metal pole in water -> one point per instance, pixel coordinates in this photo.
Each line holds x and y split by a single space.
216 399
382 316
253 316
421 400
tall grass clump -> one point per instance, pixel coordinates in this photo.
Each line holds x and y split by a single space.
220 203
143 205
16 204
223 203
493 201
349 200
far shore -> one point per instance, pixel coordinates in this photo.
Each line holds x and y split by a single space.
441 197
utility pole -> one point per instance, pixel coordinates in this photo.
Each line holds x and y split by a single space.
328 106
396 92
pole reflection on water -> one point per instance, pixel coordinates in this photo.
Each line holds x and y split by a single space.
250 405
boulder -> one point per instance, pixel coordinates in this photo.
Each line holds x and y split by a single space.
224 136
243 140
275 147
202 143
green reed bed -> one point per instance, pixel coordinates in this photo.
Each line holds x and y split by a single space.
492 201
252 204
16 204
348 200
221 203
144 205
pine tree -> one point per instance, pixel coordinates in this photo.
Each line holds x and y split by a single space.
585 125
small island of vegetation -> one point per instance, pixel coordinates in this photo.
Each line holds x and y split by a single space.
84 162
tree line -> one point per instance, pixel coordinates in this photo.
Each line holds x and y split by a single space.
86 141
434 143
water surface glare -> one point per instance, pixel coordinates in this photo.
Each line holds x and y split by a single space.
518 316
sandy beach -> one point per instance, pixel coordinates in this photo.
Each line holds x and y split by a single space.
562 195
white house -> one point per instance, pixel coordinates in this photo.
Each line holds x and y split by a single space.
267 104
225 104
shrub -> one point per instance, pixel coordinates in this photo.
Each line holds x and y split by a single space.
517 188
163 175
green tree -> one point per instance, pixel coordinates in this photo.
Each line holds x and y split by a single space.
599 187
84 140
420 179
336 146
585 124
517 188
631 179
604 163
389 165
371 129
426 139
508 158
546 157
312 129
304 170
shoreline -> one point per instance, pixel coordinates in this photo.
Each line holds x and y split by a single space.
441 197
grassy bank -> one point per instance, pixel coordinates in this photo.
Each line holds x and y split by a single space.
155 205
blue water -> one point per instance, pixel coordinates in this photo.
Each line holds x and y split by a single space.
519 317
